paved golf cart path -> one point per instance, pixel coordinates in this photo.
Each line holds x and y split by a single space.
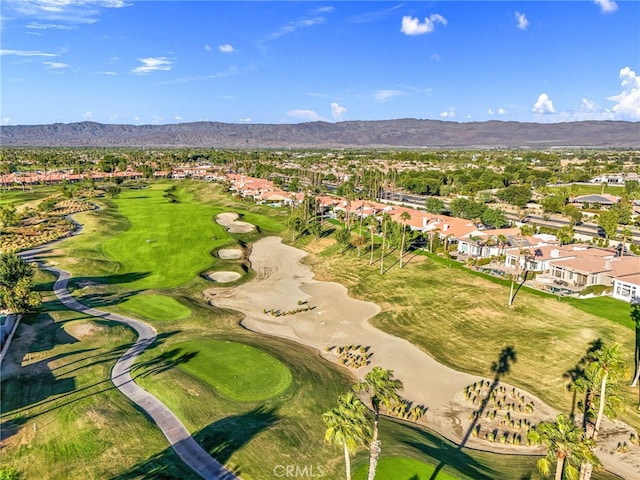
178 436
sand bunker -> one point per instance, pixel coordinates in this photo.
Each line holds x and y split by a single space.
230 221
230 253
223 277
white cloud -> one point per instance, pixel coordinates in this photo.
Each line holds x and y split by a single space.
490 111
27 53
306 115
208 48
384 95
55 65
294 27
226 48
106 73
523 23
337 111
88 115
178 118
50 26
153 64
607 6
69 11
627 101
544 105
435 57
156 119
245 120
502 111
451 113
6 120
412 26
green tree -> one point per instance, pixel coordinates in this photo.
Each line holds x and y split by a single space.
573 213
518 195
16 283
565 234
296 225
608 220
347 427
315 228
113 191
8 215
358 242
566 445
434 205
382 389
343 238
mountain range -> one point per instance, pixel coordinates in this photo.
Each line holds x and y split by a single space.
410 133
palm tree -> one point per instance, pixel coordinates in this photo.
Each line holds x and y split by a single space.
372 224
566 444
404 217
606 366
347 426
382 389
385 223
359 241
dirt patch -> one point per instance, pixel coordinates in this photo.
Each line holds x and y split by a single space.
223 277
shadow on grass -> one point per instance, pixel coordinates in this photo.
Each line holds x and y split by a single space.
36 390
163 362
97 300
500 368
221 439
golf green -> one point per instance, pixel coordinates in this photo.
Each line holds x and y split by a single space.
155 307
402 468
236 371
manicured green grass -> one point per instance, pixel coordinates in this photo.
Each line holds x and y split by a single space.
591 189
237 371
155 307
167 242
400 468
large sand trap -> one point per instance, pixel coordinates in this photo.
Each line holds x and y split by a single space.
223 277
230 221
282 281
230 253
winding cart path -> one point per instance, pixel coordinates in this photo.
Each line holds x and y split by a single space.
178 436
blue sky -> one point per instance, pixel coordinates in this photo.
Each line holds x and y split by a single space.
158 62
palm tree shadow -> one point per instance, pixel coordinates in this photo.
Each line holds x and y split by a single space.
577 375
221 439
500 368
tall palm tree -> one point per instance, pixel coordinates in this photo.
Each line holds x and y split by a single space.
382 389
372 224
566 445
606 366
385 223
404 217
347 426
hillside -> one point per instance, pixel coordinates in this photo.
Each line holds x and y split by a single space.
385 133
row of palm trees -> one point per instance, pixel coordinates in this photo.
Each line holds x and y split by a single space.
572 446
349 425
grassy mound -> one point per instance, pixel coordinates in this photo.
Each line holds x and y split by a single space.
155 307
237 371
